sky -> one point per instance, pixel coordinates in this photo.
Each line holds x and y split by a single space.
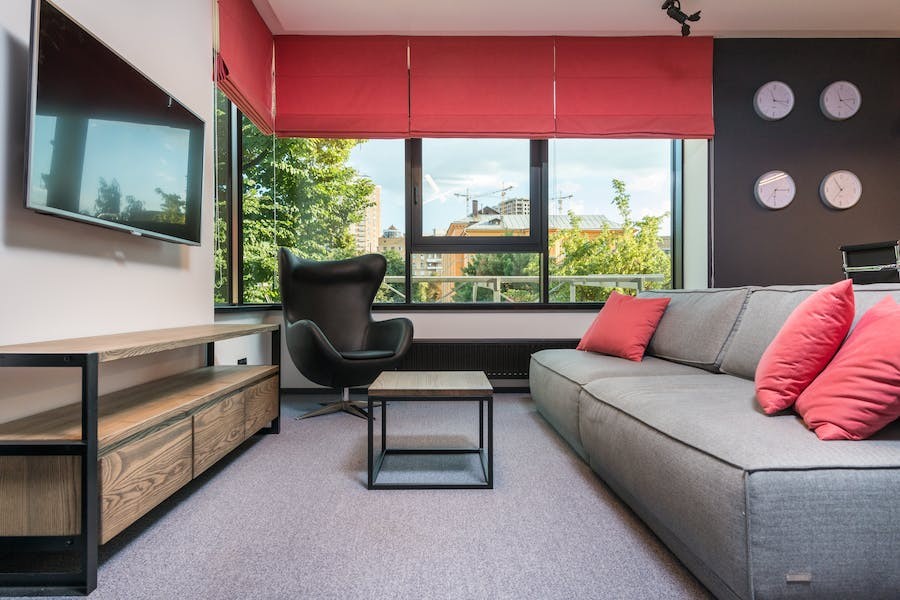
140 157
580 168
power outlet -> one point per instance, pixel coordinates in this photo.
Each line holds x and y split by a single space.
242 361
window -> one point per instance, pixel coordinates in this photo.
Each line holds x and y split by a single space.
324 199
471 187
498 277
609 222
460 221
223 224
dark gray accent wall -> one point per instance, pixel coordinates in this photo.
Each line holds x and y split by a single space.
799 244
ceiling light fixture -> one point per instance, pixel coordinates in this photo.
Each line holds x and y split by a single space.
673 9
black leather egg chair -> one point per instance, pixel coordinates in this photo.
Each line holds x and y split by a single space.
329 330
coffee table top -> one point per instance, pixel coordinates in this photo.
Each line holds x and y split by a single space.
431 383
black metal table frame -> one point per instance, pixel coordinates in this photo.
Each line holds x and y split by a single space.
86 542
485 451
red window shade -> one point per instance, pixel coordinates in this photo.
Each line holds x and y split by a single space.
341 86
478 87
652 87
244 63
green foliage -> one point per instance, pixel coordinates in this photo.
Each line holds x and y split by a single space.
172 208
109 198
634 249
506 264
298 193
396 266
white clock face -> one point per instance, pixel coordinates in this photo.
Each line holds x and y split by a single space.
774 190
840 100
840 190
773 100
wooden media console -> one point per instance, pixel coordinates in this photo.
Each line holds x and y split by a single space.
75 476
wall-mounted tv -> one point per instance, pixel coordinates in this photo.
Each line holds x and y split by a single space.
106 145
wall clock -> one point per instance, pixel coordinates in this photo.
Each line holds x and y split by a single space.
774 189
773 100
840 100
840 190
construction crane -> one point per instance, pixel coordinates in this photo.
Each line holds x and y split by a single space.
469 197
559 202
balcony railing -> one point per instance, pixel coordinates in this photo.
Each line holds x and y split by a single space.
512 288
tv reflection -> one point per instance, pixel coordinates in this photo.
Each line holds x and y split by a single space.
123 172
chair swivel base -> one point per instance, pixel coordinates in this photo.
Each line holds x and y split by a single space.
345 404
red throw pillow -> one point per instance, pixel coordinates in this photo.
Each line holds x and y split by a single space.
806 342
859 392
624 326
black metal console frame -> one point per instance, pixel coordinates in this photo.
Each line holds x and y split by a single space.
84 580
486 454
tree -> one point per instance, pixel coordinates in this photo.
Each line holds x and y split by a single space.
501 264
396 266
109 198
633 249
301 194
172 208
134 208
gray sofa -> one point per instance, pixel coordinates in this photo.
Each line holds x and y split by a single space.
755 506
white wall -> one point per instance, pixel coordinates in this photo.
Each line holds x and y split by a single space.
66 279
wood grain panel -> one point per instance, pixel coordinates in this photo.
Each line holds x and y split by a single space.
139 343
128 412
431 383
260 405
140 474
218 429
40 495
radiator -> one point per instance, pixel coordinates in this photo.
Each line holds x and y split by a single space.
499 359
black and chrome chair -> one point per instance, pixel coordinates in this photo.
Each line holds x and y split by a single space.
329 330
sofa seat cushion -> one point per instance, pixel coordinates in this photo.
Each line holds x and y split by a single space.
718 415
751 503
556 376
583 367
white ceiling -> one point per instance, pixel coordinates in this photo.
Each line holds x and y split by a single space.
724 18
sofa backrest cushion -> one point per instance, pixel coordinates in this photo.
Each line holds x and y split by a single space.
696 325
766 311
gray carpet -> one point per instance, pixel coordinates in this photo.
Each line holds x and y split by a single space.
289 516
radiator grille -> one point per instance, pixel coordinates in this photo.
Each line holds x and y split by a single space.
499 359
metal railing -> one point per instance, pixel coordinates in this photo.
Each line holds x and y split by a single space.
499 287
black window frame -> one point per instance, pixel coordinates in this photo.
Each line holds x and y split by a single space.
416 243
447 244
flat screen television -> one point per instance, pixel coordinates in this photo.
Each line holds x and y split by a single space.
106 145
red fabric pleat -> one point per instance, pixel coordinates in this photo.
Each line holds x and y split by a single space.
244 65
639 87
341 86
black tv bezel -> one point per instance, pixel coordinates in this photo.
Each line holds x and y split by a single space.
29 124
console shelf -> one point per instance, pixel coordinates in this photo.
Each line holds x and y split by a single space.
74 477
130 411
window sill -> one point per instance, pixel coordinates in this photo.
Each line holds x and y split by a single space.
461 308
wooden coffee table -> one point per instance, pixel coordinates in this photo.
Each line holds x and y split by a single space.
432 386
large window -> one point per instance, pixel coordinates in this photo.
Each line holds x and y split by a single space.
460 221
609 217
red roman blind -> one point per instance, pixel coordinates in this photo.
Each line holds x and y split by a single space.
649 87
244 62
341 86
481 86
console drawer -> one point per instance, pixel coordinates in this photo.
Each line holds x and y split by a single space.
218 429
260 405
141 473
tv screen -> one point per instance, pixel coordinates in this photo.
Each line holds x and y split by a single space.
107 145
